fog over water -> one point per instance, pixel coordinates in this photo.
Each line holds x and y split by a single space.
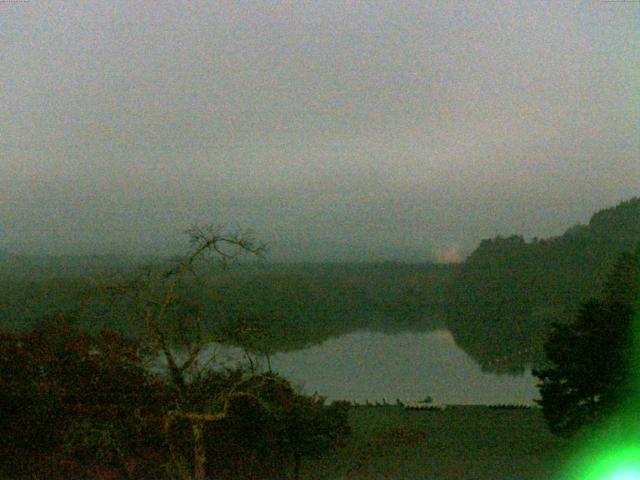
335 130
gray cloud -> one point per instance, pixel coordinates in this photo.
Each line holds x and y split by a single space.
333 129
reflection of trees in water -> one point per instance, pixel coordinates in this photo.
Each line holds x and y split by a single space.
501 345
505 297
288 331
297 309
284 310
499 304
294 306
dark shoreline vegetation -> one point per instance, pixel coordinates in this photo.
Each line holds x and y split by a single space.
75 405
80 398
499 304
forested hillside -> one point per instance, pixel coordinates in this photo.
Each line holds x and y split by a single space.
508 291
499 304
291 305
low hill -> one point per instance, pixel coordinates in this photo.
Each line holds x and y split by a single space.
296 305
507 293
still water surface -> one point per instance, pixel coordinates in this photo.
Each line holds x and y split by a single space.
410 366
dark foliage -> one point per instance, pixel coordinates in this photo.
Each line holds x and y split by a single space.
77 406
290 306
74 405
265 428
508 293
589 360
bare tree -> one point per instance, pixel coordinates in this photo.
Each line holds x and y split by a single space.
251 334
155 294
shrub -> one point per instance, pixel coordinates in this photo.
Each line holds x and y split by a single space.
75 405
264 428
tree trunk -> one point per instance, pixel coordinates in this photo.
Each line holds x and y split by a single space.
268 357
199 455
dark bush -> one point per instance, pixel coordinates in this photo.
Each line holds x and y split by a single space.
76 405
265 429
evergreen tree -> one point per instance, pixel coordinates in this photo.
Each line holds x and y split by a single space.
589 360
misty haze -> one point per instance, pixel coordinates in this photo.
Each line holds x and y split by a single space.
319 240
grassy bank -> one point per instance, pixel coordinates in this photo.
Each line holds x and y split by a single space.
461 442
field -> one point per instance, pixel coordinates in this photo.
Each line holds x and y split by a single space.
461 442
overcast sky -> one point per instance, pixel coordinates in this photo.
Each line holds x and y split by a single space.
334 130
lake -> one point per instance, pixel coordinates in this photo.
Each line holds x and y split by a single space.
374 366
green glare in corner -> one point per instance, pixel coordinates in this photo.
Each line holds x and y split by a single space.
613 453
603 460
617 464
626 475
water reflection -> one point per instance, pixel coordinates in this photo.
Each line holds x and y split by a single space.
371 366
368 365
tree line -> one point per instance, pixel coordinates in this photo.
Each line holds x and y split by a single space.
77 404
505 297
